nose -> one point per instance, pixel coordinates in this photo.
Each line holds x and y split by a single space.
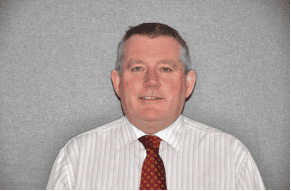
151 78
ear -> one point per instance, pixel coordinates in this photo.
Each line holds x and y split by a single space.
116 81
190 81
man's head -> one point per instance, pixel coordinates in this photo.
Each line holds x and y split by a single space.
153 30
151 79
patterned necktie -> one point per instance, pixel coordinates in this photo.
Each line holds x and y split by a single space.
153 175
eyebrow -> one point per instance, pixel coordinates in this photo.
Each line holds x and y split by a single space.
135 61
171 62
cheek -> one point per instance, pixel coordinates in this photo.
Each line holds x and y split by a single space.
130 90
179 95
174 87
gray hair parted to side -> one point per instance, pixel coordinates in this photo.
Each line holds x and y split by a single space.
153 30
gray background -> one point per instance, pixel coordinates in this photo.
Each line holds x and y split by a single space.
56 58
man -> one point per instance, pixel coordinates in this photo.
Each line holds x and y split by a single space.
153 146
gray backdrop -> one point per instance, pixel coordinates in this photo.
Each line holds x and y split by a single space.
56 58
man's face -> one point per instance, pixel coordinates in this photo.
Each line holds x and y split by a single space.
152 86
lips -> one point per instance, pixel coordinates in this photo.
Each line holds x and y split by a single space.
150 98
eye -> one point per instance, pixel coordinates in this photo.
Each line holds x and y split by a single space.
136 69
166 69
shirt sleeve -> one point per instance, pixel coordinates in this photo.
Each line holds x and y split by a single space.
248 176
61 174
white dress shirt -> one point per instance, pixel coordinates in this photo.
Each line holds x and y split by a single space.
195 156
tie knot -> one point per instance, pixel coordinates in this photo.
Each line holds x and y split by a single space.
150 142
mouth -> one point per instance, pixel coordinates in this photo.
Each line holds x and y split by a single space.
150 98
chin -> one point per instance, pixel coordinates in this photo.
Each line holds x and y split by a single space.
151 115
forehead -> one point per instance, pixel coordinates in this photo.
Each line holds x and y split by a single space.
144 47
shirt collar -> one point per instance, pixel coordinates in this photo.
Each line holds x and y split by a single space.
171 135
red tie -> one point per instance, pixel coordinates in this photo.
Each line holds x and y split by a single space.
153 175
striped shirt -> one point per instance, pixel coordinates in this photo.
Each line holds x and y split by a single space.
195 156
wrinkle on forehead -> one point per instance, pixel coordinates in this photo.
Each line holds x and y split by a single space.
153 42
153 48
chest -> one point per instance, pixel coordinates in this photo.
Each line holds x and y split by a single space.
192 167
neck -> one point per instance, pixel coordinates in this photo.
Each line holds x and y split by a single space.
152 127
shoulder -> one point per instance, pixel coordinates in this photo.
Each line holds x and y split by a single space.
198 127
93 135
204 131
